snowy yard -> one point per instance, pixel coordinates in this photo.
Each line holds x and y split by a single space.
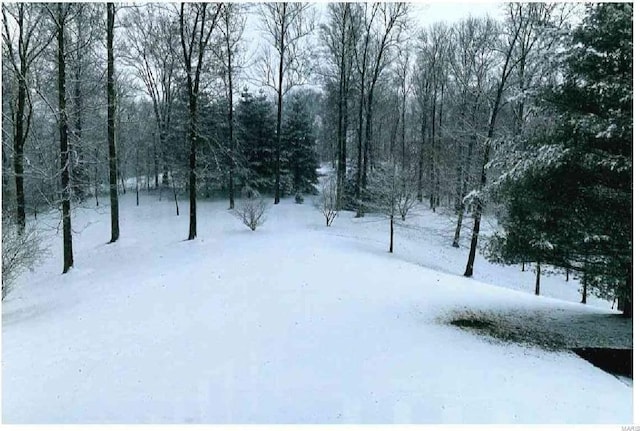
293 323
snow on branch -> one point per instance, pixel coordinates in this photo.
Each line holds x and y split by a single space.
20 251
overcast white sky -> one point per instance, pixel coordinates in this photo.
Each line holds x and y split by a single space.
430 12
424 13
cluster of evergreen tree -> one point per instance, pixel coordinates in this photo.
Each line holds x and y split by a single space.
570 205
256 144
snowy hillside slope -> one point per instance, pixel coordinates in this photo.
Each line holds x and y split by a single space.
293 323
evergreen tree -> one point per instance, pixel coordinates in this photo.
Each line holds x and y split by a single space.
579 174
300 159
256 136
535 229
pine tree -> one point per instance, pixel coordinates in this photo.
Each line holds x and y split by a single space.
586 160
256 134
299 146
535 229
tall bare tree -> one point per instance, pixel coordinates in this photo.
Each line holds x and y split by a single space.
383 26
339 37
471 60
287 24
197 22
152 49
23 41
111 128
232 22
59 17
522 19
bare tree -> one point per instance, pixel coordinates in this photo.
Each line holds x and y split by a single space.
287 24
391 195
252 209
84 33
197 22
111 130
471 59
406 196
339 37
24 41
402 80
374 55
327 203
20 251
522 19
232 23
152 49
59 17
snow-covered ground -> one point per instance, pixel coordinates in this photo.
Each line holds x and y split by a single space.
293 323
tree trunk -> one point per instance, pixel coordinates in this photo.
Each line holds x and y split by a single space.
147 168
403 135
485 159
627 301
192 163
75 145
122 183
360 209
360 167
391 234
175 193
155 161
341 161
230 119
468 272
20 128
18 157
111 135
276 199
464 187
459 205
342 157
342 165
584 290
137 173
439 147
456 235
96 184
432 195
67 240
423 149
537 278
368 131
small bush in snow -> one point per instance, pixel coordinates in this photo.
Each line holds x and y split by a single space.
252 209
299 198
19 252
327 203
406 199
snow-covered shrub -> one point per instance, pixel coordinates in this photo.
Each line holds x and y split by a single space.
19 252
327 203
299 198
252 209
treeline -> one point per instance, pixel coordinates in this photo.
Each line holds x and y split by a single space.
468 117
148 94
529 117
